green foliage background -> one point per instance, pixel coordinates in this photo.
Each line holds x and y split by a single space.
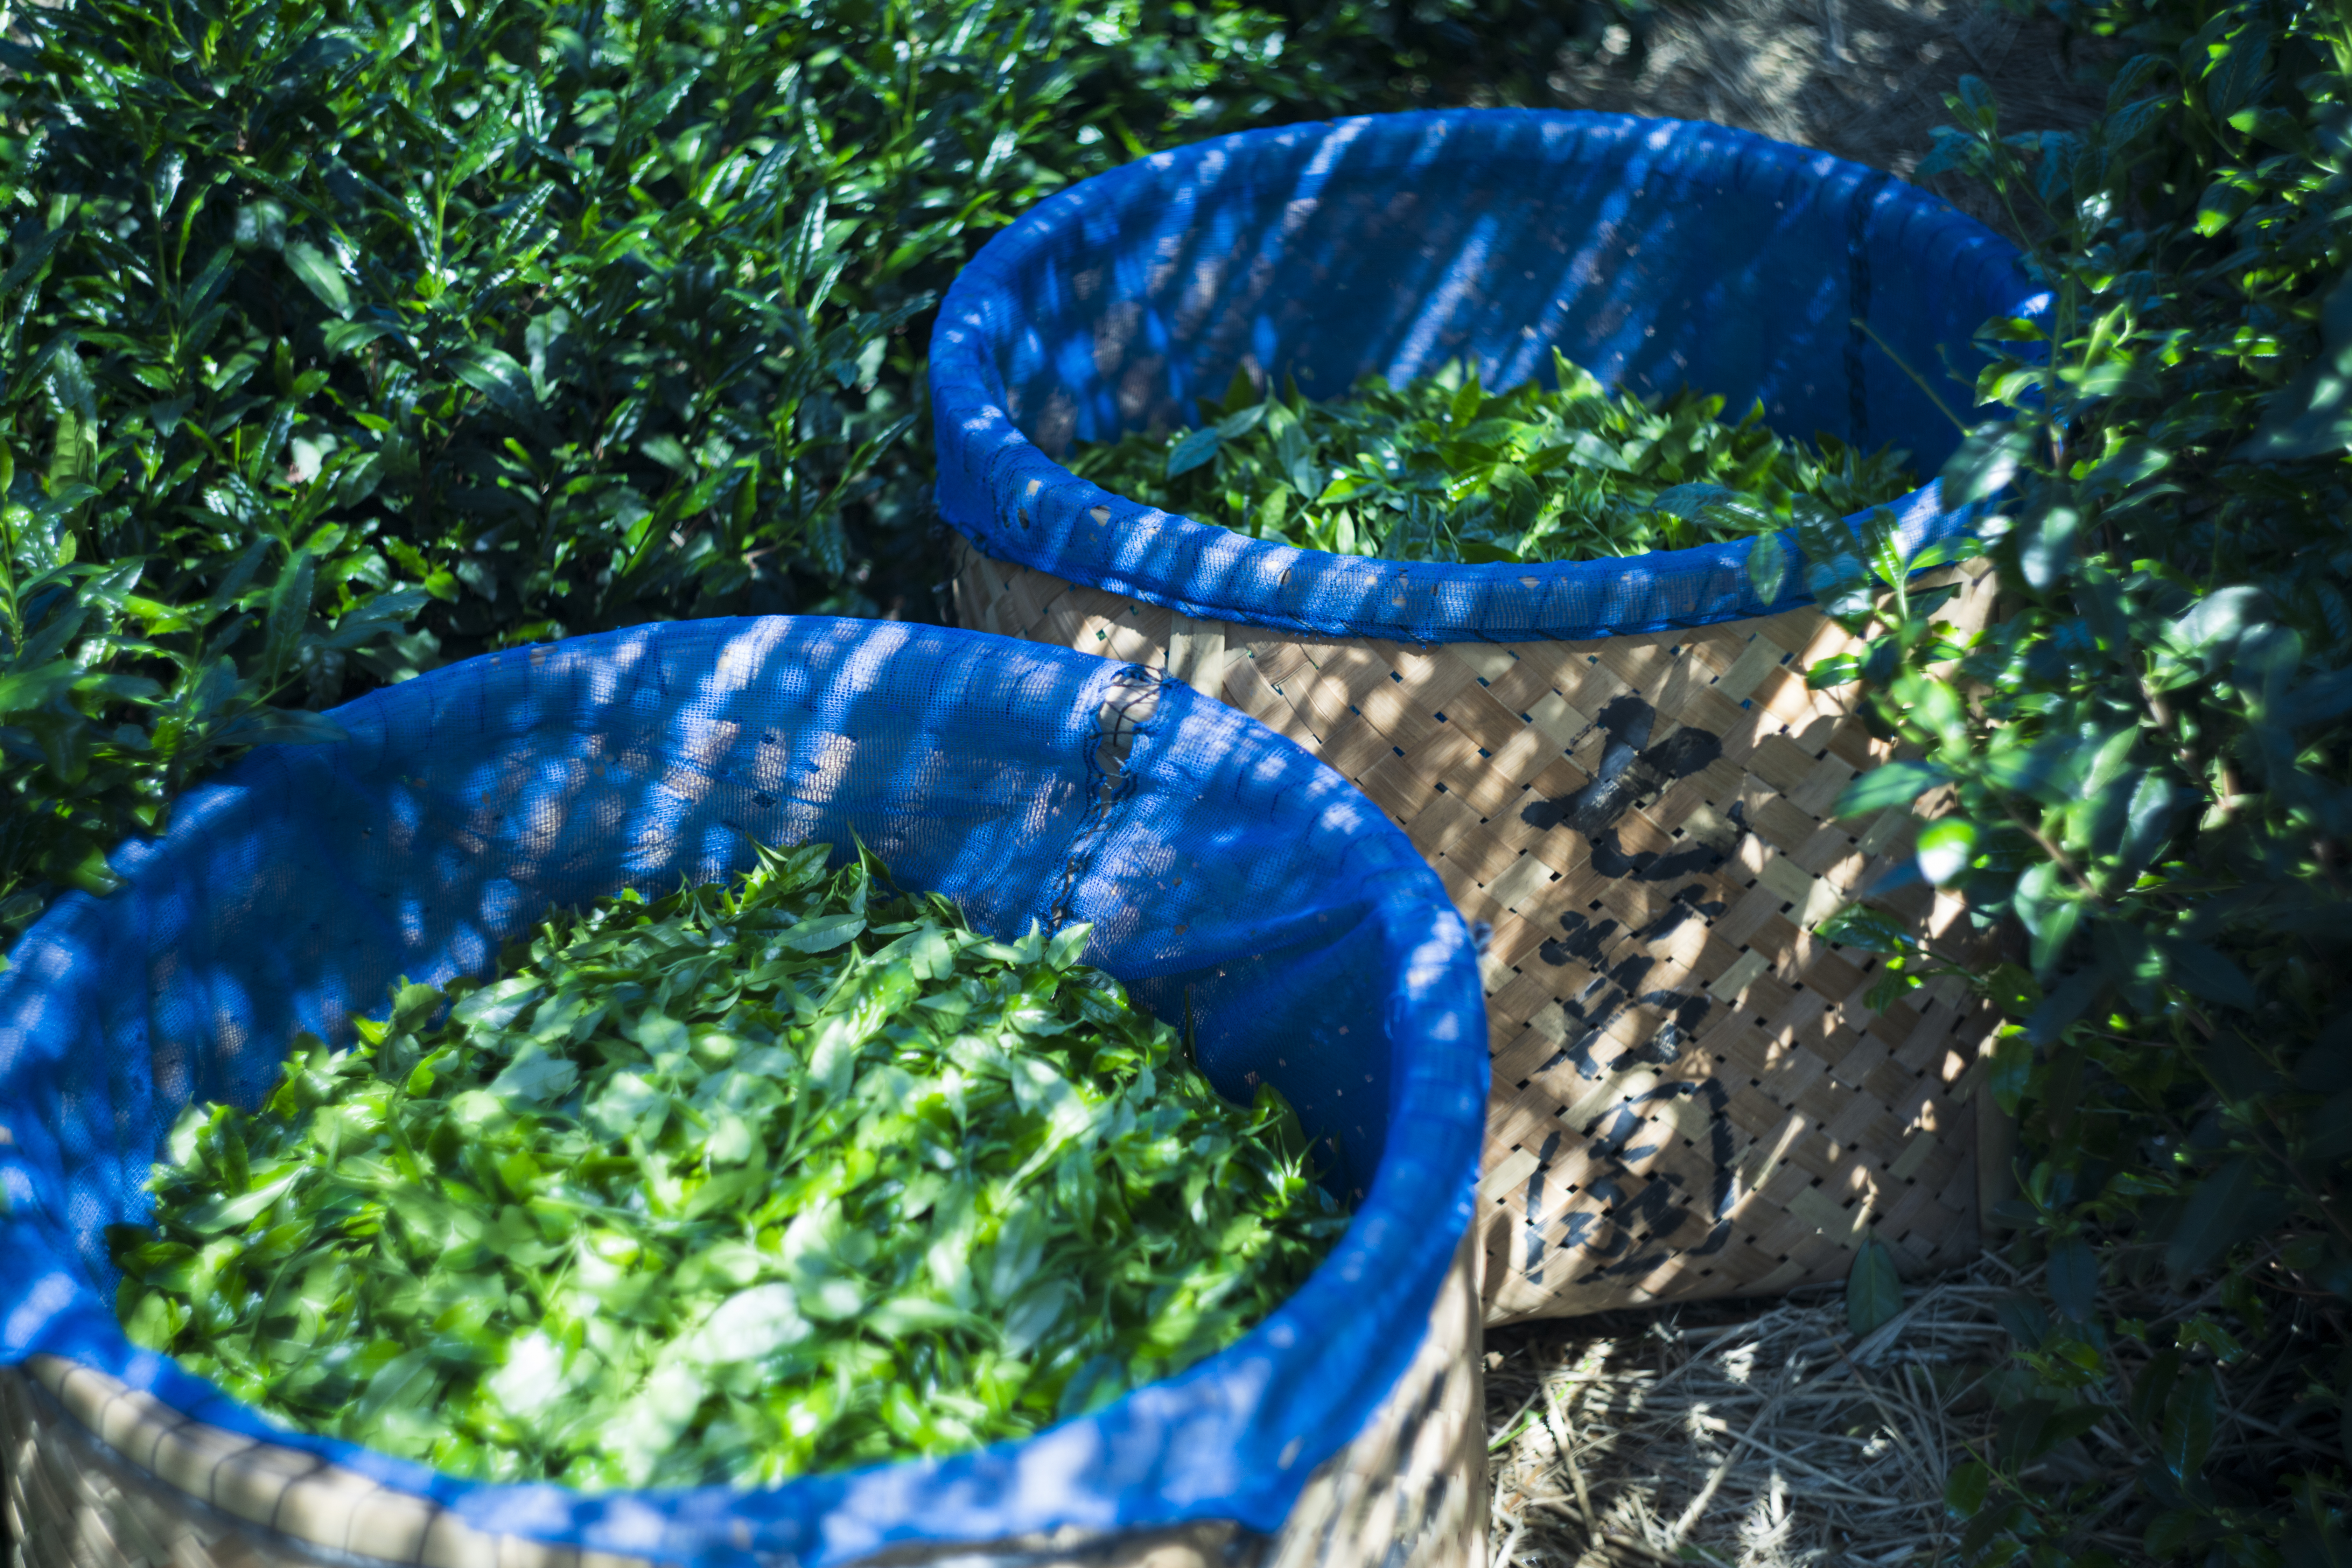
2145 771
338 340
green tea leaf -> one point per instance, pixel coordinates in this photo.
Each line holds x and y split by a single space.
1874 1291
1983 466
320 275
2208 973
1947 847
1767 567
2214 1218
1873 930
535 1077
1887 786
2072 1272
1964 1491
229 1212
822 934
1191 452
496 374
2189 1422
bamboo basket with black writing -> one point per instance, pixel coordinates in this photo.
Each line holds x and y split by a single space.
1617 767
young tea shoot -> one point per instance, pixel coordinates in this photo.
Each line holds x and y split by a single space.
1442 469
737 1184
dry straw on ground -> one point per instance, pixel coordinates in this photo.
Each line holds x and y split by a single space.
1763 1435
1768 1438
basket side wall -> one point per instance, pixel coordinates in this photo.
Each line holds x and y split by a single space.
1407 1492
467 801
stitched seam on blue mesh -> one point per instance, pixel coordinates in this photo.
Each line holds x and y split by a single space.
1860 208
1132 699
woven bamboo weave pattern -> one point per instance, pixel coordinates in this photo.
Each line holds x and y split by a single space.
102 1476
1408 1492
1411 1489
1690 1098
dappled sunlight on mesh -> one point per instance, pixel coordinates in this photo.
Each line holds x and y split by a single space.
1653 254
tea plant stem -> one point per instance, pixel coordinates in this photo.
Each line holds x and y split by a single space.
1916 379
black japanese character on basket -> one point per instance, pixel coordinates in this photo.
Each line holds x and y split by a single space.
1635 1221
1629 1223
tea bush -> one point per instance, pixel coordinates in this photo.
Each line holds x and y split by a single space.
2145 769
339 341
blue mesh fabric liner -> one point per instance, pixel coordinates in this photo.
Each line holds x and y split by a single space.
1654 253
1320 951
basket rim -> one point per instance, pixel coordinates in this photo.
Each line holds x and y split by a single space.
1206 570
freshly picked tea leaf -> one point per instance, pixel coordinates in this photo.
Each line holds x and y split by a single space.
734 1185
1442 469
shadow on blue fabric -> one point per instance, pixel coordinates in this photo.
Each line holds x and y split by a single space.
1319 951
1655 254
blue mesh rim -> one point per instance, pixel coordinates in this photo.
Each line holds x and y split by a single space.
1018 505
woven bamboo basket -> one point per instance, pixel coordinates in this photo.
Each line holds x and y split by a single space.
1616 766
102 1476
99 1474
1690 1096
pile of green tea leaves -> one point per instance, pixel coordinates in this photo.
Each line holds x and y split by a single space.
730 1186
1442 469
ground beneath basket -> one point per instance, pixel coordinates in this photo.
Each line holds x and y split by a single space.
1741 1434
